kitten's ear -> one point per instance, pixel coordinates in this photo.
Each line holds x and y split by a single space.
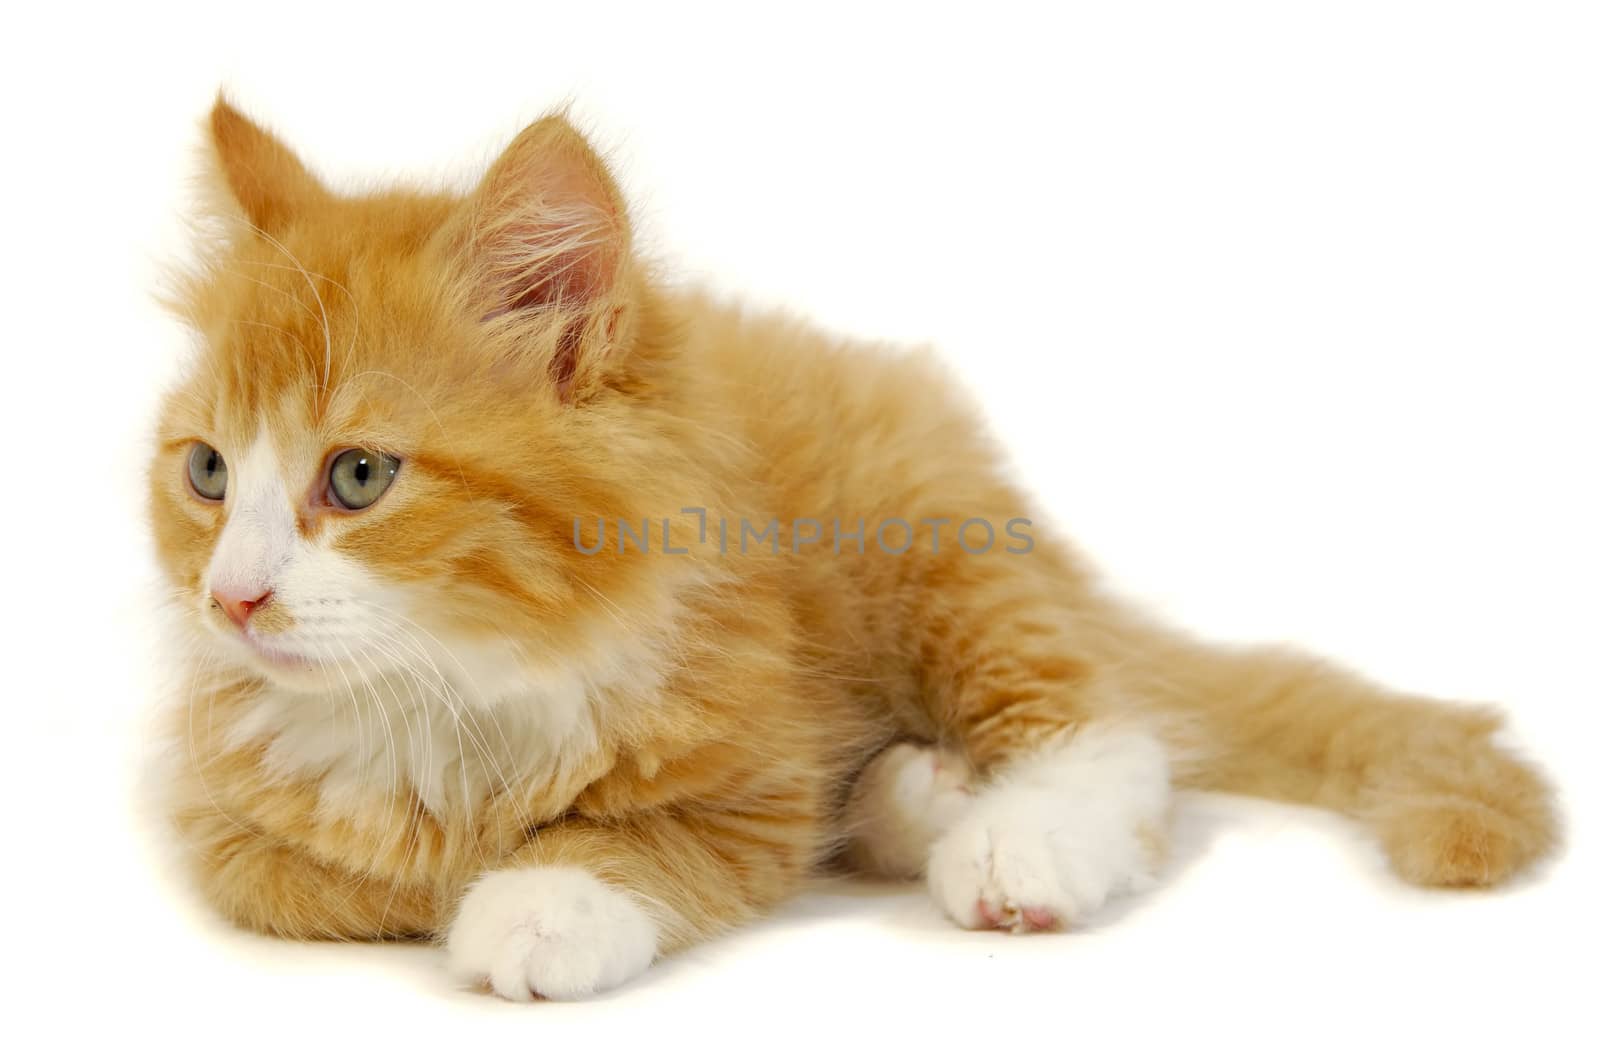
546 231
264 178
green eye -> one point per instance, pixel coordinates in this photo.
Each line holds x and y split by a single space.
359 478
208 473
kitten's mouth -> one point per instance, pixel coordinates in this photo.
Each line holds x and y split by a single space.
271 661
276 657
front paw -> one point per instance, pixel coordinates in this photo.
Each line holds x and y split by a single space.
552 932
1050 841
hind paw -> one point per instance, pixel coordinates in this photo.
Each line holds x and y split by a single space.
905 799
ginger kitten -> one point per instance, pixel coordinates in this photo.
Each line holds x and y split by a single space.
568 619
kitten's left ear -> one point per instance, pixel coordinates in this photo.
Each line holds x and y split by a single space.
546 246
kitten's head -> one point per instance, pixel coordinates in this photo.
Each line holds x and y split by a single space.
400 403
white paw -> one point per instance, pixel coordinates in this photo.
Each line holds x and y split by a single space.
906 798
1057 834
553 932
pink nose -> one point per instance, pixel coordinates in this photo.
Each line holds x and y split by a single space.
237 607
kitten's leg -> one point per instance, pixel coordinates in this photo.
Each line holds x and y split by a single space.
1076 790
262 884
588 905
1057 833
904 800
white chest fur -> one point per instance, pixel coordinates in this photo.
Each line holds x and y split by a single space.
449 734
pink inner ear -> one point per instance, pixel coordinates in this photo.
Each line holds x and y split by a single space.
550 258
550 228
564 367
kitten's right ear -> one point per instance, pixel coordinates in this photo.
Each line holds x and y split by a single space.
268 182
543 244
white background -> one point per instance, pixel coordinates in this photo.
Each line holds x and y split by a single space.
1289 312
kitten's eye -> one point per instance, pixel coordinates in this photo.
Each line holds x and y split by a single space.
359 478
208 473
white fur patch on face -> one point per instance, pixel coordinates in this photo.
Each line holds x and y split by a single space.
259 541
1058 834
553 932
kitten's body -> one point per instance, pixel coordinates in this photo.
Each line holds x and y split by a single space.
563 762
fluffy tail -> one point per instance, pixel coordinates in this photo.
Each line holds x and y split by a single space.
1450 805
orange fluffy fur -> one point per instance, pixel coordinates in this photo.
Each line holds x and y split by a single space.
528 369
